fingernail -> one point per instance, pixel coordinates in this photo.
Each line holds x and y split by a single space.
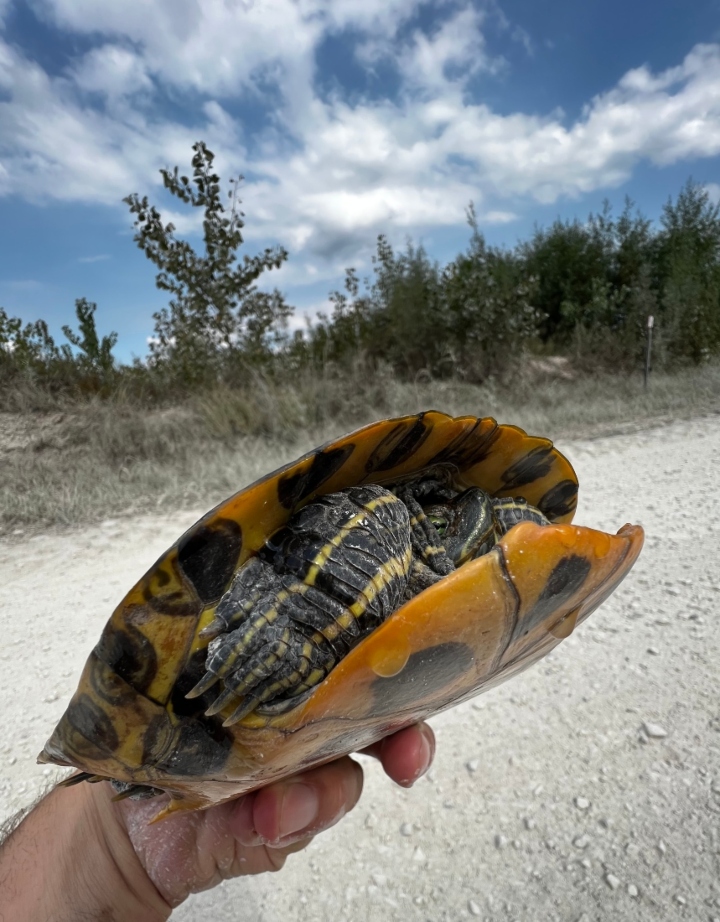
300 807
426 754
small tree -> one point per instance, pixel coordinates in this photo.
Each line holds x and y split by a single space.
216 315
30 352
491 313
95 353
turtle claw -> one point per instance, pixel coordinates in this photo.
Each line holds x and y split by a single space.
216 627
242 710
207 681
220 702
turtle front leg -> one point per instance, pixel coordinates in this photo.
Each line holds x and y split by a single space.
426 543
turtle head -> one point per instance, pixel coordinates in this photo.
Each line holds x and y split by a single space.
465 524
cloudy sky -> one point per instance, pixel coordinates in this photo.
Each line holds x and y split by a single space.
347 118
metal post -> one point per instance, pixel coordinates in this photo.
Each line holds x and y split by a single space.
648 347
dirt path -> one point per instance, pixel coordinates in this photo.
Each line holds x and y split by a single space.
547 800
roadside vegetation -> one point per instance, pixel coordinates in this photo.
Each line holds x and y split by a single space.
549 335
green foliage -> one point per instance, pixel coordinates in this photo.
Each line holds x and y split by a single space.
689 272
29 355
491 315
582 289
467 320
217 320
95 353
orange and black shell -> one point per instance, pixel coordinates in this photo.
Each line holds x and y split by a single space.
130 719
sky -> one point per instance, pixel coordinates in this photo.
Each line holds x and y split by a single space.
347 119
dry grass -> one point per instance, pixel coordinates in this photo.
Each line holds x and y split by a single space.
101 460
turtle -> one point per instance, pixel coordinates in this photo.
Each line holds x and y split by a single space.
378 580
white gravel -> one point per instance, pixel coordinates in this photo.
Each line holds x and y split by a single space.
587 788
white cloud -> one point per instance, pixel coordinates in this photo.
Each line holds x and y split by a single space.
113 71
101 257
454 52
327 174
713 191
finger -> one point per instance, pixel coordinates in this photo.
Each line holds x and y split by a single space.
406 755
276 857
291 810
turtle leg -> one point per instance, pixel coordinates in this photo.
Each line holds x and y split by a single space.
426 542
420 577
252 580
251 671
508 512
305 669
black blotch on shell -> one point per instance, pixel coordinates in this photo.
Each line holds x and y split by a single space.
208 556
427 673
94 735
157 733
398 445
567 576
534 466
468 448
176 603
294 488
108 685
559 500
193 671
200 748
130 654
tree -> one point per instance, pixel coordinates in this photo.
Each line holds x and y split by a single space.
689 272
216 318
95 353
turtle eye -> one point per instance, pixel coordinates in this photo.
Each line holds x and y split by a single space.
440 523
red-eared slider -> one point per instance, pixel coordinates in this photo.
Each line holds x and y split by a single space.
375 581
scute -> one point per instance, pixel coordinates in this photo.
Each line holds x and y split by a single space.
130 718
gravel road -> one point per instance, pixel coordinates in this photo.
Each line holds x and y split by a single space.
586 789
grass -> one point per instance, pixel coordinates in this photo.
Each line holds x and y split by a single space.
88 462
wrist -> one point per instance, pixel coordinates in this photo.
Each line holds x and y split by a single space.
71 858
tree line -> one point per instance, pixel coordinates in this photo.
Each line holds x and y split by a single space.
582 289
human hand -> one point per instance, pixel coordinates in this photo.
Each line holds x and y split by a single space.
190 852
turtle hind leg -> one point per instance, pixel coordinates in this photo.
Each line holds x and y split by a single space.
251 671
254 579
308 668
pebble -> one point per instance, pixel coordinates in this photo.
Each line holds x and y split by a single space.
653 651
632 890
500 841
370 821
582 803
654 731
661 847
581 841
529 822
418 854
680 900
379 879
474 908
472 765
406 829
612 881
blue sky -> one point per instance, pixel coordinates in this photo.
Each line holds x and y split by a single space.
348 119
